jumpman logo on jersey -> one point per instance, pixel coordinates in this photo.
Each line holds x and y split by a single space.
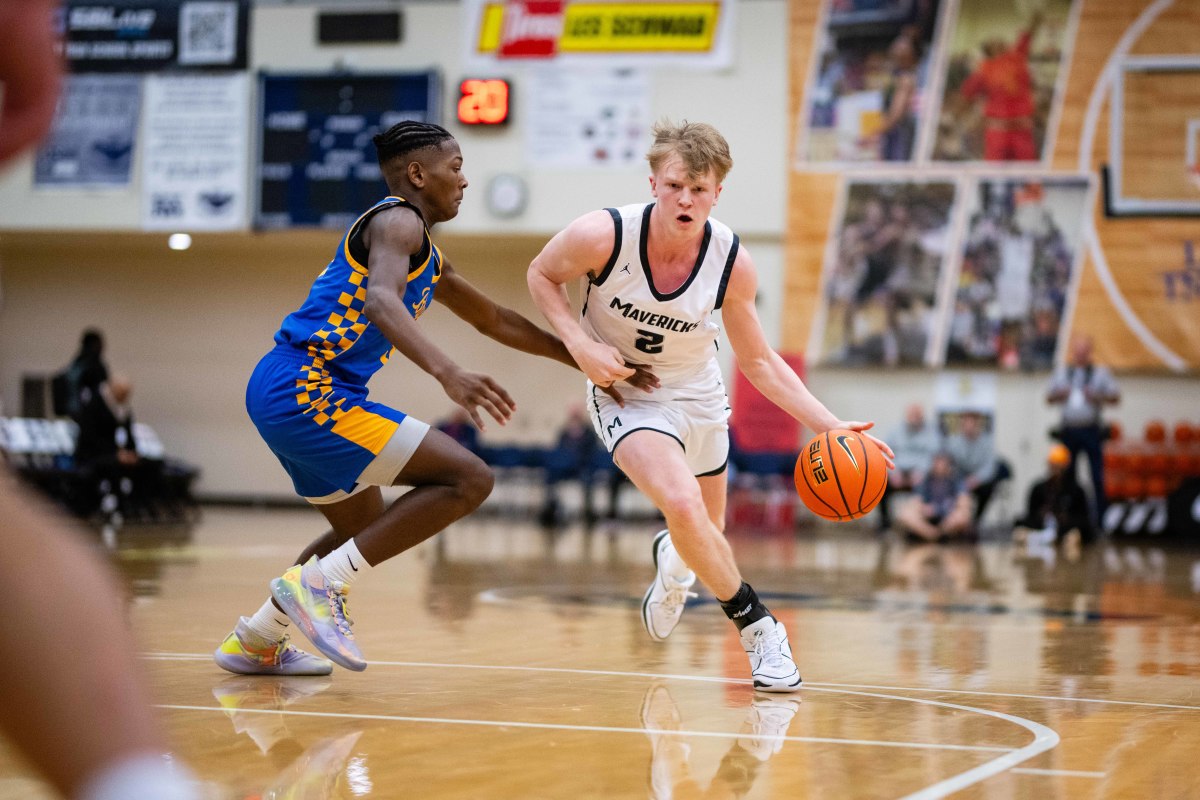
625 269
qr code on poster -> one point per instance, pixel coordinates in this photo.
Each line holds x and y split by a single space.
208 32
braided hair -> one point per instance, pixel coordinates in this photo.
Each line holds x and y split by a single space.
406 136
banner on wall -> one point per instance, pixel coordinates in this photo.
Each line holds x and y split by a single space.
1004 68
153 35
614 32
1017 263
880 288
318 165
1031 258
92 138
195 152
581 117
867 92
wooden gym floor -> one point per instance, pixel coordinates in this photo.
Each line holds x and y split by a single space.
507 663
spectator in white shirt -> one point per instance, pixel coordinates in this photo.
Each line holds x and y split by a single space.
1083 389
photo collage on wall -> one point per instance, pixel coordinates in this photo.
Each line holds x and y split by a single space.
952 241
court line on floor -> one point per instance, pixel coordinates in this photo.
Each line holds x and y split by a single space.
594 728
1064 773
1044 738
166 656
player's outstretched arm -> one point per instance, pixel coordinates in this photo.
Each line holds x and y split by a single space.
392 237
512 329
495 321
769 373
581 248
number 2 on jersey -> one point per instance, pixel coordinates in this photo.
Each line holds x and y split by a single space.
649 342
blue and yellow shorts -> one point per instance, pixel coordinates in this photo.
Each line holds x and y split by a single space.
330 438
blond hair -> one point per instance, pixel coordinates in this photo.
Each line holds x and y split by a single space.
700 145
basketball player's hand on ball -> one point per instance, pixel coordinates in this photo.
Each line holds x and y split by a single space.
861 427
473 390
642 378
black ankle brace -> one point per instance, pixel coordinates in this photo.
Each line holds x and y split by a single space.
744 608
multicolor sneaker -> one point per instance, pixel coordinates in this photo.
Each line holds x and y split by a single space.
771 664
664 601
244 652
318 607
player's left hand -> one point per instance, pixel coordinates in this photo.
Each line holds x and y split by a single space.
861 427
642 378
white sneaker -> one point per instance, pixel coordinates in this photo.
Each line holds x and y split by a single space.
766 723
664 601
771 664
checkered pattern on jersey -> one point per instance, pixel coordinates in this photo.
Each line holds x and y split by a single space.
341 331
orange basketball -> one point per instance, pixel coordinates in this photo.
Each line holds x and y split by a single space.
840 475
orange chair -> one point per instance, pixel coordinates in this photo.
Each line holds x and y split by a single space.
1134 486
1114 432
1114 485
1184 434
1193 465
1156 432
1157 464
1137 463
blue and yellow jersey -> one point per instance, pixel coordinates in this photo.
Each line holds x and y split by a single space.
332 331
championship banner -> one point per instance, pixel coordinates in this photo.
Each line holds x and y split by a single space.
92 139
153 35
195 152
610 32
318 163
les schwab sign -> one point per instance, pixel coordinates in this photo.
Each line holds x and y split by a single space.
696 33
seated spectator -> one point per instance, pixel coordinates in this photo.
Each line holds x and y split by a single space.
571 458
914 443
106 453
1058 507
458 426
940 507
975 459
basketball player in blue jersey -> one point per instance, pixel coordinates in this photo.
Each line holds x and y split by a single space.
308 399
655 274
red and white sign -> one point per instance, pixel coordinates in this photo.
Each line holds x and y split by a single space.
531 28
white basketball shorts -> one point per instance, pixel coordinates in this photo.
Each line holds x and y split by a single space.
698 421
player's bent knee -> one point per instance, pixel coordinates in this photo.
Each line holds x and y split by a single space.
683 506
475 483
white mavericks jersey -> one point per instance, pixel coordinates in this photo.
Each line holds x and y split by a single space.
673 332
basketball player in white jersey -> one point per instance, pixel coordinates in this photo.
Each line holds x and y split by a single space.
655 274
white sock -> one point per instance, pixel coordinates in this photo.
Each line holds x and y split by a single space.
268 622
345 564
674 566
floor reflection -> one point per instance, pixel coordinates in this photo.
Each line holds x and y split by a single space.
671 773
